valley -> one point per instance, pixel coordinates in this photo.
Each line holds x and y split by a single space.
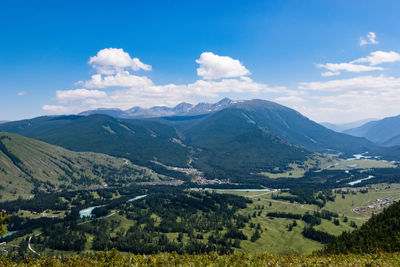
276 235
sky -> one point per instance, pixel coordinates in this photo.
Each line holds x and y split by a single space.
333 61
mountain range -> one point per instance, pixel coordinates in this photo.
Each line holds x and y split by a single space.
182 109
385 132
232 143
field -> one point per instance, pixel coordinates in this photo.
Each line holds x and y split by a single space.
277 238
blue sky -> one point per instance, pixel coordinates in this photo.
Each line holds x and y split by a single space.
308 55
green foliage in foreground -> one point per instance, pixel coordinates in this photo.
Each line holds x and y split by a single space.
114 258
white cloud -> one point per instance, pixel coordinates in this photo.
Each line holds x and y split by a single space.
329 73
22 93
215 67
379 57
358 65
56 108
369 39
76 94
121 79
359 83
114 60
347 100
290 99
340 100
334 69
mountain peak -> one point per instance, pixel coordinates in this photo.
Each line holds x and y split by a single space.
224 101
183 107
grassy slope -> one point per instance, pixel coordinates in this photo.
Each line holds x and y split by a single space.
46 163
277 239
379 191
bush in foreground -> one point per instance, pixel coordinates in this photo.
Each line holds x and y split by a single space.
114 258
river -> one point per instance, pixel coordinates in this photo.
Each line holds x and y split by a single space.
236 189
360 180
88 211
9 233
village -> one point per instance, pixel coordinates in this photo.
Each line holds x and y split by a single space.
375 206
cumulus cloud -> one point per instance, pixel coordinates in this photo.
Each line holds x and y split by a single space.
370 38
379 57
114 60
215 67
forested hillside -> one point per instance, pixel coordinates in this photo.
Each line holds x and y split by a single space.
284 122
136 140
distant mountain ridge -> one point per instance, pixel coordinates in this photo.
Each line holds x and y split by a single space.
384 132
182 109
340 127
